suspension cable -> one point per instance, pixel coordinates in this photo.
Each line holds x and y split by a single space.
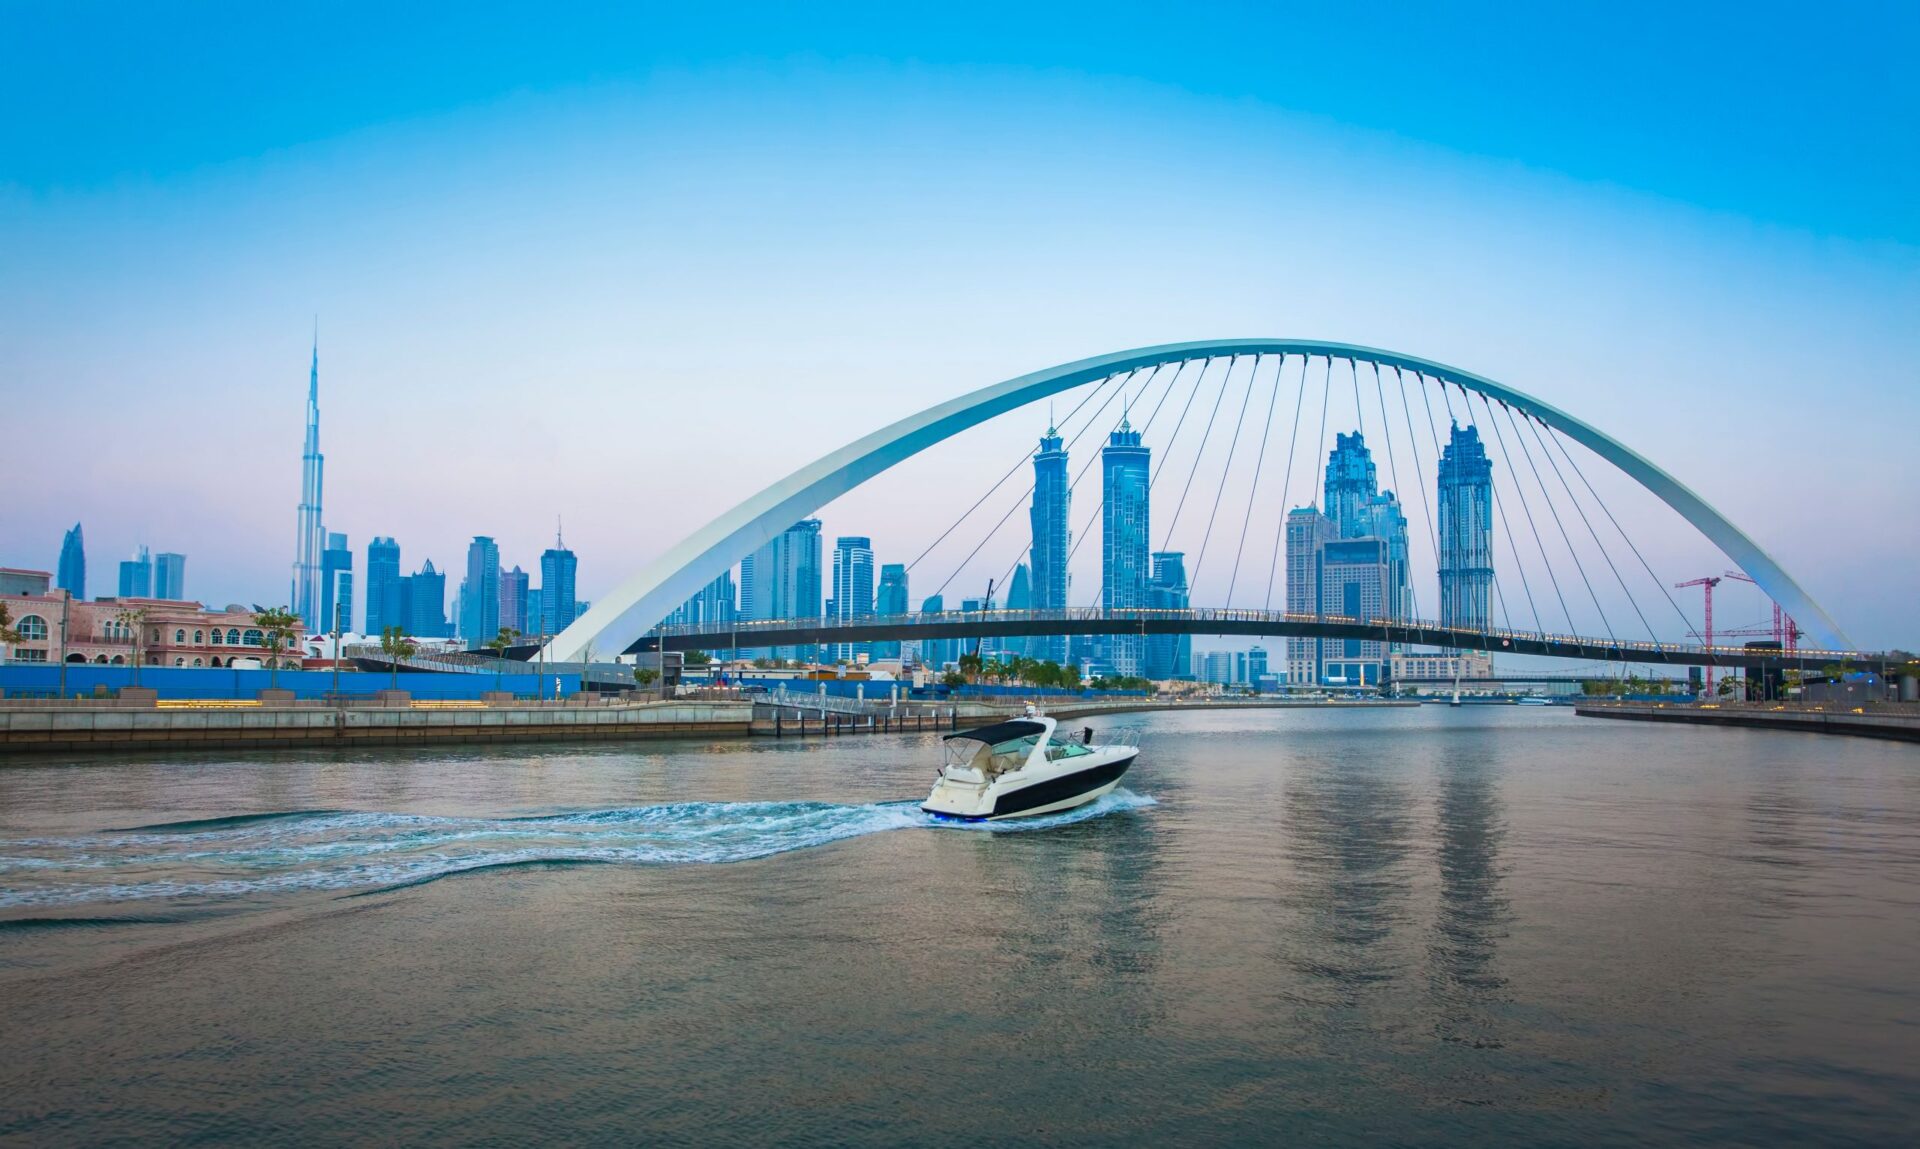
1233 444
1326 393
1030 486
1419 469
1527 509
1101 505
1018 463
1534 425
1426 397
1253 492
1393 469
1628 539
1500 509
1564 536
1199 453
1286 484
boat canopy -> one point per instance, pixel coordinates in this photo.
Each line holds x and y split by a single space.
1000 732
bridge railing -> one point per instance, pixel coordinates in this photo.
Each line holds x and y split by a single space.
742 632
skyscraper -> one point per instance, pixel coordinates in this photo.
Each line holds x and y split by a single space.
1466 531
852 589
309 535
1052 539
136 575
336 584
783 580
1124 526
557 607
713 605
1307 533
1355 582
427 603
890 598
386 596
170 576
1350 485
73 564
480 602
1168 655
936 652
513 600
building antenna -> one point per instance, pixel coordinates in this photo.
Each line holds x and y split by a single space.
559 542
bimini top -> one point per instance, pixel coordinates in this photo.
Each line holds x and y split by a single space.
1001 732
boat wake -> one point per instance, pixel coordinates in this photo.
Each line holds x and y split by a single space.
364 853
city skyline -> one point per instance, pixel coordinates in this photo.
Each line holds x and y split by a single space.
1445 242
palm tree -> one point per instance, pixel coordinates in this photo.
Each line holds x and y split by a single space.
500 644
395 644
135 620
8 635
279 628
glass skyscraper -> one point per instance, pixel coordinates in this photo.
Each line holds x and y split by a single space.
782 580
1052 539
73 564
513 600
136 575
1466 531
937 652
426 597
1307 532
336 584
712 605
1168 655
852 589
557 605
890 598
170 576
1327 576
1124 527
480 600
386 600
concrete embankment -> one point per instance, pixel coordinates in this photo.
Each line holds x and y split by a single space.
1889 720
63 728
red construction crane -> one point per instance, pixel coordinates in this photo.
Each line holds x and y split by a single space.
1784 631
1708 583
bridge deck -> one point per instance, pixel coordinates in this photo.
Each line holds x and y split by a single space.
1252 623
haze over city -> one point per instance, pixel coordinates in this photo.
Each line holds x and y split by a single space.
630 293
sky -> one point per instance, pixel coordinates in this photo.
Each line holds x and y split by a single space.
624 271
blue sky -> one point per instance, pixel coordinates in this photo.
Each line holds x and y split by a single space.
540 244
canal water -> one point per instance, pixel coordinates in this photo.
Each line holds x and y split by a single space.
1417 926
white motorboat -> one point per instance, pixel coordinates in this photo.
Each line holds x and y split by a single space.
1017 769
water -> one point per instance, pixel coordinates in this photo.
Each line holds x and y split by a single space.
1422 926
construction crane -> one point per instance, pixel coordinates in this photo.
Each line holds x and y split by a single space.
1709 583
1784 631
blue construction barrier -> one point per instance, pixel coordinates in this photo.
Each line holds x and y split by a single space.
174 682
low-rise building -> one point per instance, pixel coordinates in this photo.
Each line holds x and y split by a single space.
56 628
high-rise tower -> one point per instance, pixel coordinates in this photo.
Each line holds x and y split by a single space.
73 564
852 589
310 537
1052 539
1123 553
1466 530
558 566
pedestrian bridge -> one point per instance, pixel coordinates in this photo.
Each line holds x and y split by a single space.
981 624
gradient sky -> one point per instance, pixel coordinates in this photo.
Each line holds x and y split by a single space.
629 270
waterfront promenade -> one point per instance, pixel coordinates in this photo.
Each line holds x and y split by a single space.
1899 721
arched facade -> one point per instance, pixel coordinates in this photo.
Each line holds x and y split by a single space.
618 619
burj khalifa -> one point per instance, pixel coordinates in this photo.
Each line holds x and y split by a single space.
311 537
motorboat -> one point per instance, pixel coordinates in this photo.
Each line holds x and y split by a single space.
1019 768
1532 700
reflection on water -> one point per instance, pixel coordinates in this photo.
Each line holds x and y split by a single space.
1407 926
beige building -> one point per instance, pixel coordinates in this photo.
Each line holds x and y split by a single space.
56 628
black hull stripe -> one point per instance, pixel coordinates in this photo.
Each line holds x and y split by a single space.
1059 789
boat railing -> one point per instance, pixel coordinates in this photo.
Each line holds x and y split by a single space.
1118 736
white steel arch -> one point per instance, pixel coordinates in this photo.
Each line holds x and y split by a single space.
618 619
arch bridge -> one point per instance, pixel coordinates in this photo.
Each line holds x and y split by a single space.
623 619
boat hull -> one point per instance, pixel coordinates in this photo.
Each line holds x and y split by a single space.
1029 799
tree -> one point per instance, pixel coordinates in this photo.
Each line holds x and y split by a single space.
970 666
697 658
500 644
395 644
279 628
8 635
953 678
644 676
135 620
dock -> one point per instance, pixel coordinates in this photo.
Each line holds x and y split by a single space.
1894 720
